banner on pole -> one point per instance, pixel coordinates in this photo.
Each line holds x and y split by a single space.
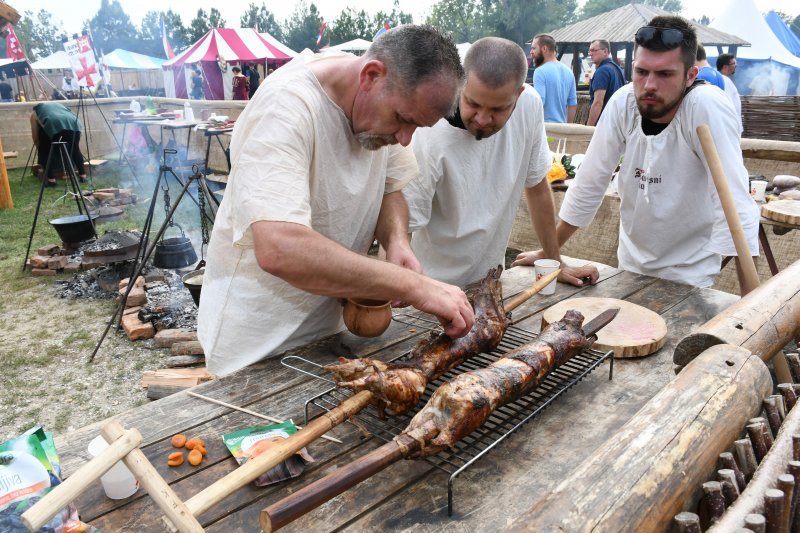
82 61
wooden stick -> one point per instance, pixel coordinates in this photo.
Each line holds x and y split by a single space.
261 463
773 415
748 267
730 488
780 404
727 461
773 510
794 366
252 413
789 396
796 447
786 484
756 434
755 523
540 284
312 496
747 457
715 501
687 522
72 487
794 471
178 516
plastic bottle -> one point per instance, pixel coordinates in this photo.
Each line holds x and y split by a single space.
151 109
135 106
188 112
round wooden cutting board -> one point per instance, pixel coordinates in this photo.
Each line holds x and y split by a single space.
787 211
636 331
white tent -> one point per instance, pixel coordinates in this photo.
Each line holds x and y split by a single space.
120 58
356 45
56 60
766 67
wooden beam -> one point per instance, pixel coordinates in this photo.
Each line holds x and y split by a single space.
773 150
6 202
646 473
762 322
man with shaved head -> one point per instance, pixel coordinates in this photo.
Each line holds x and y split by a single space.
474 167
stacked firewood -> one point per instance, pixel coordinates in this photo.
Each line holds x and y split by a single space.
757 486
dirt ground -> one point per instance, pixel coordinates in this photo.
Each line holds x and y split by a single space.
45 343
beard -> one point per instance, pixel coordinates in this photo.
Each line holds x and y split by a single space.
538 60
656 111
374 141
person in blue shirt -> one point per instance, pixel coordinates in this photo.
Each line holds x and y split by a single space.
606 80
706 72
553 80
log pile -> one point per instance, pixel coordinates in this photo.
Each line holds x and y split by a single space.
757 485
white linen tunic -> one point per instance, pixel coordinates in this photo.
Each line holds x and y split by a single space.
463 205
294 159
671 221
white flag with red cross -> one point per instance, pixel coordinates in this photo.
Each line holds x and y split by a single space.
82 61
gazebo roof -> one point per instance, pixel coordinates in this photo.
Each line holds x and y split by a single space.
620 25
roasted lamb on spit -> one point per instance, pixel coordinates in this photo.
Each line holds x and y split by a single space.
455 410
398 386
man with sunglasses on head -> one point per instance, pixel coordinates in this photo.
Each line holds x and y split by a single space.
671 222
607 79
474 167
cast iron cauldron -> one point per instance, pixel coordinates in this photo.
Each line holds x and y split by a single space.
194 281
77 228
175 252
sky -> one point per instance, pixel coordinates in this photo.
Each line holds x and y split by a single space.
72 14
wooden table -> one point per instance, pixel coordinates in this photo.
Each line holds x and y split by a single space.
409 494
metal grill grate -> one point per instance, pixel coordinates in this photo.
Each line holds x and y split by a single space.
502 423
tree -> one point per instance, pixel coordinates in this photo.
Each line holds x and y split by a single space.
177 34
112 28
38 39
215 19
465 20
394 18
703 21
263 19
349 25
597 7
199 25
302 27
150 35
520 20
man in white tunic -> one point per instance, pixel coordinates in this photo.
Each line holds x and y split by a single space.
726 65
474 167
317 174
671 222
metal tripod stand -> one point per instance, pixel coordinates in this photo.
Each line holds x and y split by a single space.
145 249
66 163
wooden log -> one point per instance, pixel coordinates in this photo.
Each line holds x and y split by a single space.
6 201
780 404
756 434
687 522
773 414
794 366
786 485
789 396
714 500
730 488
794 470
538 285
256 466
756 523
669 447
747 457
774 464
773 510
763 321
69 490
770 149
727 461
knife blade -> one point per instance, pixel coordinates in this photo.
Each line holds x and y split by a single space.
599 322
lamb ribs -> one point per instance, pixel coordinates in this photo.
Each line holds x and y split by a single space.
398 386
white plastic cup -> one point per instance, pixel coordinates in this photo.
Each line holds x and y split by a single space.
544 267
758 190
118 483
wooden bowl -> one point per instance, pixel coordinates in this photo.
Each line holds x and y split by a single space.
367 318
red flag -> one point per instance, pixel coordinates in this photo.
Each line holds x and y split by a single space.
167 48
13 46
321 32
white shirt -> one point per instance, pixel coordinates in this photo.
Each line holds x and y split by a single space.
294 159
463 205
671 222
733 94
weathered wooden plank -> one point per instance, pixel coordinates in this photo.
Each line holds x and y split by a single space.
668 448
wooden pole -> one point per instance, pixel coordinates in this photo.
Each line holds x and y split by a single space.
6 202
762 322
72 487
522 297
645 474
746 263
256 466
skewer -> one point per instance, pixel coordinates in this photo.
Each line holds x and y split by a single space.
253 413
786 484
756 434
727 461
729 486
747 457
794 470
688 522
756 523
520 298
789 396
715 501
773 508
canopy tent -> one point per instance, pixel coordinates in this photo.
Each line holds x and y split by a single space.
356 45
766 68
56 60
783 33
214 53
120 58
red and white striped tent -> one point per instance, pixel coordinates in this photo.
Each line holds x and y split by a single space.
215 53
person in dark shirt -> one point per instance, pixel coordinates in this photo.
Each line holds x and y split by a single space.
51 122
606 80
6 92
254 77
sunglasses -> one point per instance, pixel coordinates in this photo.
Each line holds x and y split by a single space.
652 37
